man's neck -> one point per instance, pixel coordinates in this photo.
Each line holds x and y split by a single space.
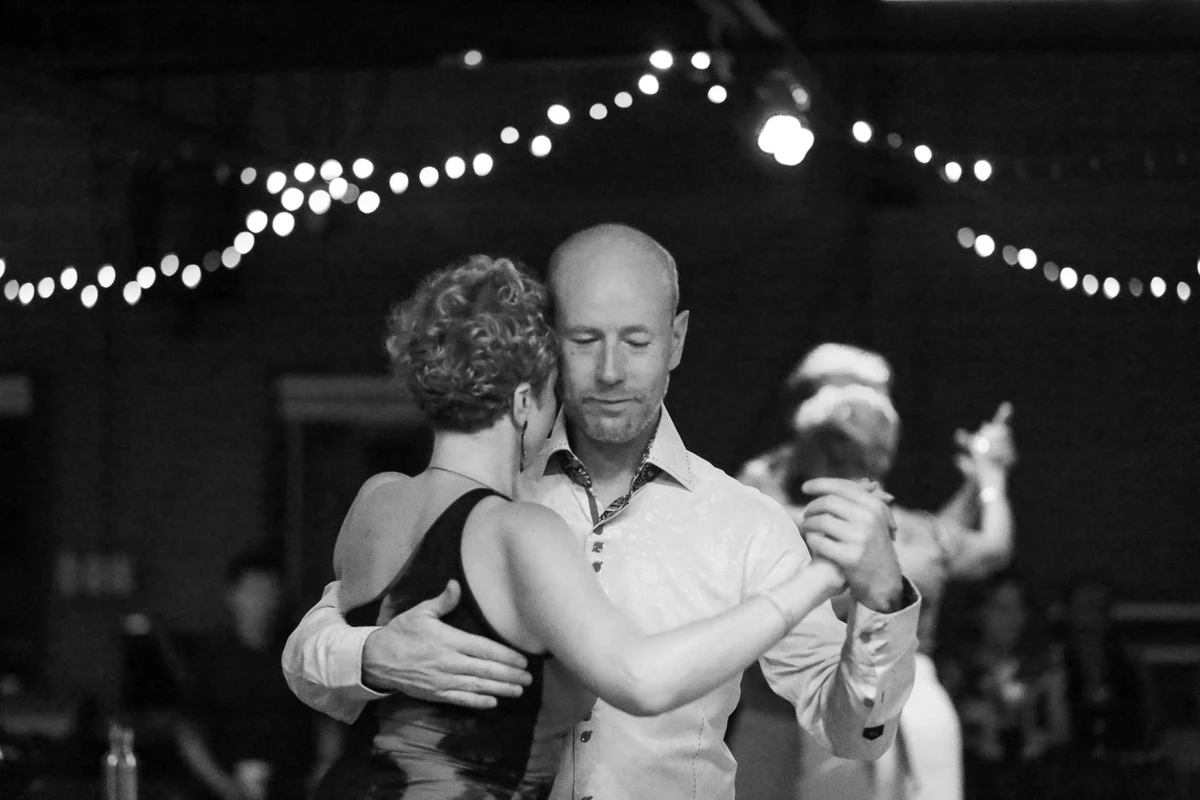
610 464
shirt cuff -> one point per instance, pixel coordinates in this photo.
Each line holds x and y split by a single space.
883 646
348 671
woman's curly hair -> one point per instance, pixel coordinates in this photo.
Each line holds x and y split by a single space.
470 334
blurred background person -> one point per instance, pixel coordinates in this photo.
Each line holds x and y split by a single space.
844 425
1010 692
242 735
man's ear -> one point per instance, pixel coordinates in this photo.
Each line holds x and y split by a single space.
679 328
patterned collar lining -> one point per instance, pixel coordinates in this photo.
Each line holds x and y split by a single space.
577 472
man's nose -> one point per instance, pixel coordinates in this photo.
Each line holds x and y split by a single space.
612 365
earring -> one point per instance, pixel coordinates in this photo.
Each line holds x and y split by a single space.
524 428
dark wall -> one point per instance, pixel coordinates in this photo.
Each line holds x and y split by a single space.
853 245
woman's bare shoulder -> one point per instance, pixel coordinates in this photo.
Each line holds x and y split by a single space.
526 525
376 537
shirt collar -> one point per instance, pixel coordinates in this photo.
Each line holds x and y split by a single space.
666 451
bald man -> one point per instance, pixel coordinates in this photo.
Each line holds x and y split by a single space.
671 539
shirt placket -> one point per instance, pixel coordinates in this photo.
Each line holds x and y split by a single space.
595 543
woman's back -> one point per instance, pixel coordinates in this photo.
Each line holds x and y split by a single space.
417 749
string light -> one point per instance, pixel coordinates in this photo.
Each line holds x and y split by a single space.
558 114
292 199
283 223
191 276
330 169
319 201
89 295
132 293
368 202
789 149
482 164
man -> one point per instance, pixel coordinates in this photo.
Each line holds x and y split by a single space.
242 735
671 539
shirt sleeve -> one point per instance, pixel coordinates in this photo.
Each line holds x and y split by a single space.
322 660
847 681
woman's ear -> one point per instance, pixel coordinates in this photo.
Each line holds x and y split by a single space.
522 403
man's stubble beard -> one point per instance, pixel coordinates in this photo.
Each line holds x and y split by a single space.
617 431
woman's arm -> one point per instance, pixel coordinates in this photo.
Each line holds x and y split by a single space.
560 603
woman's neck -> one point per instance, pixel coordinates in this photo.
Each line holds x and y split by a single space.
488 457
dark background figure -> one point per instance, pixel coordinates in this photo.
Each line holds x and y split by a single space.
1010 694
242 734
1104 753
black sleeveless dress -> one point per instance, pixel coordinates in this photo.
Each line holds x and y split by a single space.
418 750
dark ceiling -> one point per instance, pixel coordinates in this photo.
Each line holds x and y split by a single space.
93 36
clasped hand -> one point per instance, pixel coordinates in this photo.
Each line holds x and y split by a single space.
851 525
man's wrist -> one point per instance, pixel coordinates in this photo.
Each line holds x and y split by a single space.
369 679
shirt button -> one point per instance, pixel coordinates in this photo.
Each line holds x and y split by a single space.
596 565
585 736
597 547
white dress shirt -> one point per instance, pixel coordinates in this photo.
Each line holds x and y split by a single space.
688 543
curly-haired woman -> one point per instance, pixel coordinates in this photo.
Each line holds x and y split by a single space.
477 355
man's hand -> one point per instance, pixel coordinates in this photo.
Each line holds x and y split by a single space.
851 525
418 654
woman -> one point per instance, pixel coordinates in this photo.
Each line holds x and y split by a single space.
850 429
475 351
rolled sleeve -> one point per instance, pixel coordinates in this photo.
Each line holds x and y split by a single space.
847 681
322 660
